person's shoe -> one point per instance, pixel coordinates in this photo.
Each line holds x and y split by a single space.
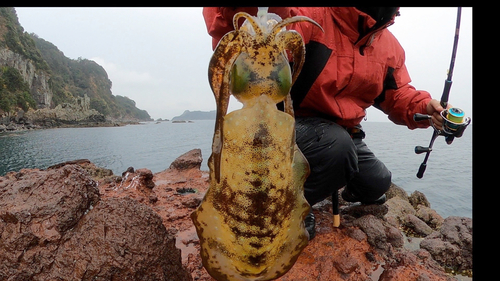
349 197
310 224
381 200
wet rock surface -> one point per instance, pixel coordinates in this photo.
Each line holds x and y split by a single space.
451 245
55 226
189 160
141 220
120 239
37 209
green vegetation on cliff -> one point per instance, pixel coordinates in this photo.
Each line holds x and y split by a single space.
14 91
17 40
69 78
78 77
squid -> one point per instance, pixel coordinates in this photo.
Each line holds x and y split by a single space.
251 220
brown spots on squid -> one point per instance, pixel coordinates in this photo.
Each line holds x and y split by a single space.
250 222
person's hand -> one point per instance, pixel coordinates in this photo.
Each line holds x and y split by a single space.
434 109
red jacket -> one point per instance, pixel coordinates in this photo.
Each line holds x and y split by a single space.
343 74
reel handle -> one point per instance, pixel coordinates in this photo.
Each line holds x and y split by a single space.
421 117
421 149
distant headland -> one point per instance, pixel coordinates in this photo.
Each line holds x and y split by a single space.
195 115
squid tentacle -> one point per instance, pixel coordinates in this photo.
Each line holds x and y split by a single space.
225 50
256 27
277 28
224 56
292 41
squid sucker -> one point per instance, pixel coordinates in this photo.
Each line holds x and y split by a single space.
251 220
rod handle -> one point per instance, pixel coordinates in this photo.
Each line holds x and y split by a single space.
336 220
335 208
421 170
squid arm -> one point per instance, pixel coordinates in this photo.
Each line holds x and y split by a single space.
220 64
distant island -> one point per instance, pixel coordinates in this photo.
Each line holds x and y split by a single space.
195 115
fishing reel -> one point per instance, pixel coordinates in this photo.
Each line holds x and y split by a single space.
454 125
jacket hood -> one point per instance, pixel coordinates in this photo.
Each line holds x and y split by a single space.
357 22
382 15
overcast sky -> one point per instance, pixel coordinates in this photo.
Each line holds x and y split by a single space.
159 56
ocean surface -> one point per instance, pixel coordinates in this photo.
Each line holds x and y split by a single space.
447 182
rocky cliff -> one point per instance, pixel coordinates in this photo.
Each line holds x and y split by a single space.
18 51
35 74
37 79
76 221
77 113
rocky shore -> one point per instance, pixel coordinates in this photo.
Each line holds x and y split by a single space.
75 114
63 116
76 221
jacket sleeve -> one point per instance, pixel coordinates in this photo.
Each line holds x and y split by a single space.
401 100
219 20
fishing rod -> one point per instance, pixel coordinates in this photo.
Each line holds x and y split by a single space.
453 118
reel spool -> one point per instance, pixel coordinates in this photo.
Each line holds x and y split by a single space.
453 121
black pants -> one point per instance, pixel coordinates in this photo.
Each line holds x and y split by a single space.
337 160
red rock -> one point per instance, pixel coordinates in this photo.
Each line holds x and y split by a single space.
417 198
120 239
189 160
364 247
37 208
451 246
417 225
145 178
55 226
342 253
430 217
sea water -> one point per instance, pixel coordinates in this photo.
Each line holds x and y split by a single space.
447 182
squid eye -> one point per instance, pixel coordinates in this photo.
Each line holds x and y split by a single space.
283 79
240 76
